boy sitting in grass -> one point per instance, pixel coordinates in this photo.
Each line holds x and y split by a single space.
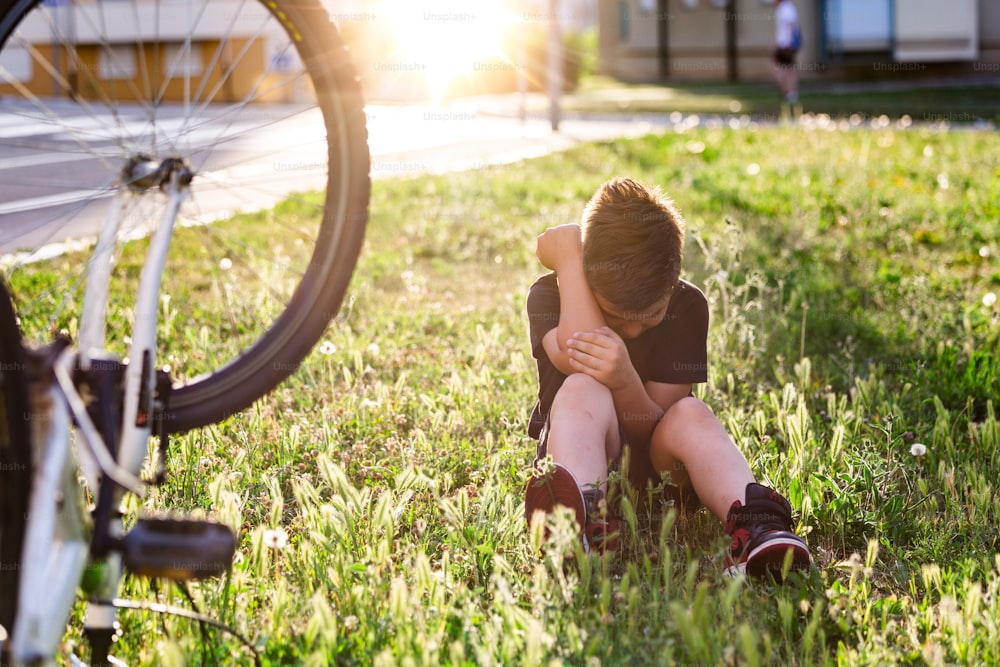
619 340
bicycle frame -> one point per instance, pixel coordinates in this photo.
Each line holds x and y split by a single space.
58 526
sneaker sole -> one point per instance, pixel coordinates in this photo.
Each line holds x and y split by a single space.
769 558
544 494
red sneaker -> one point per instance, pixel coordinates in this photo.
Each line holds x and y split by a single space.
554 488
762 535
602 526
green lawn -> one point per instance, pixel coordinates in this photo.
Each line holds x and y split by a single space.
922 102
852 277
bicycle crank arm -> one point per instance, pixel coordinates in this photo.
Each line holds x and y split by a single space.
178 549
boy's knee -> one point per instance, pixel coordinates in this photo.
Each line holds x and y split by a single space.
689 406
679 428
580 389
688 410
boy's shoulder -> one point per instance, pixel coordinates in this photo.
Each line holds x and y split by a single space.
545 287
686 295
545 280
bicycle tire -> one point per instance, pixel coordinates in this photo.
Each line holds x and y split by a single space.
15 460
264 73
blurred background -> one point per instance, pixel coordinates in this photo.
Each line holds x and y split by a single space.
438 49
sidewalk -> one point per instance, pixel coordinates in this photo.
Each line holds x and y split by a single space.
406 140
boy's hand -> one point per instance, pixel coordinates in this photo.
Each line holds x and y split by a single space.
559 244
602 355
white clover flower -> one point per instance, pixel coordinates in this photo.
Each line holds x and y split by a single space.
327 348
695 147
917 449
989 299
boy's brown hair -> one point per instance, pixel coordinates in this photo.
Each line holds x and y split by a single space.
633 244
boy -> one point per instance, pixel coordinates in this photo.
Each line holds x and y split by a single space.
786 27
619 340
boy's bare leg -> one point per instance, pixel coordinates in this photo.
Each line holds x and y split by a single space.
691 444
779 78
583 429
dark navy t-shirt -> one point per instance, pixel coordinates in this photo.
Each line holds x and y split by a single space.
672 352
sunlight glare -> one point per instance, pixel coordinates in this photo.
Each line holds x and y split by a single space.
447 39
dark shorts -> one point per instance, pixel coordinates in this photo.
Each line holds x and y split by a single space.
784 57
640 471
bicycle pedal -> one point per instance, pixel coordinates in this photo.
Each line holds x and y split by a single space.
178 549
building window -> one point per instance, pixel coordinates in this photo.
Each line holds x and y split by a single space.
915 30
116 61
16 63
182 60
623 20
854 26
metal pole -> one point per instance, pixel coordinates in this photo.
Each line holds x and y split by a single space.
555 65
56 26
663 37
732 73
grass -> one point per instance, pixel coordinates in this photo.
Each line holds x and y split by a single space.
921 101
377 494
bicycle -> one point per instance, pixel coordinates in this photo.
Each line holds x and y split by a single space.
167 114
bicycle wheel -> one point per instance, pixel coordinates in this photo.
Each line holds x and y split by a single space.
262 103
15 460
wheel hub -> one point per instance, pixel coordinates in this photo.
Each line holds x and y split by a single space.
142 173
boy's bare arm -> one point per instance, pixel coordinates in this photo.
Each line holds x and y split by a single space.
641 408
561 249
602 355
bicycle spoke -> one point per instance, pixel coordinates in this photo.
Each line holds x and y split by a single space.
46 110
229 87
225 41
70 48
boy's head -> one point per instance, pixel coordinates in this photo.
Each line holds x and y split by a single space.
633 244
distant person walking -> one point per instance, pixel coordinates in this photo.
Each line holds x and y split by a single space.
787 40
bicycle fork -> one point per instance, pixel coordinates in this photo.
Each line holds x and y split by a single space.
173 548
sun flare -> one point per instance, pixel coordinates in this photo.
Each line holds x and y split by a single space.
447 39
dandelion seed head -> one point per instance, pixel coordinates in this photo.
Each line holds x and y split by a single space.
275 538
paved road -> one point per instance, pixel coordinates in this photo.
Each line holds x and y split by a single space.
47 182
419 139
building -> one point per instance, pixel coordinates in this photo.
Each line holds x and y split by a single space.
125 51
658 40
228 50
